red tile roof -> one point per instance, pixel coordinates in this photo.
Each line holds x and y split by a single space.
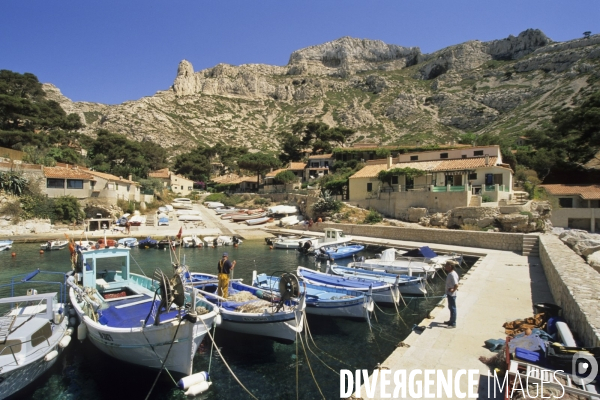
67 173
297 166
320 156
587 192
161 173
112 178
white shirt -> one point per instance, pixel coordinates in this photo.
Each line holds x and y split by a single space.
451 281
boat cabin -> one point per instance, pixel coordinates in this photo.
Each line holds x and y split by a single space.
333 235
107 270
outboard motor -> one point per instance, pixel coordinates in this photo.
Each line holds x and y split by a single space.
306 247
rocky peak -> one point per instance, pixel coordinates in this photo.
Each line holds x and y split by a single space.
346 51
513 48
185 69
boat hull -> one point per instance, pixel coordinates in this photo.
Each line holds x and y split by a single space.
280 329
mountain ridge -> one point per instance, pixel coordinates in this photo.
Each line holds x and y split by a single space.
387 93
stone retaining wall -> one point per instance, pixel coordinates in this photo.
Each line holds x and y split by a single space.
485 240
575 287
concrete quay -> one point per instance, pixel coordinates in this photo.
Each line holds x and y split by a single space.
502 286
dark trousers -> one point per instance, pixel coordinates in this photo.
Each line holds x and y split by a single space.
452 308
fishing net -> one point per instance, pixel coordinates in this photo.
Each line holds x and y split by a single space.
201 310
257 306
242 296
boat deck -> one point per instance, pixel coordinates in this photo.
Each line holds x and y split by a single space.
128 312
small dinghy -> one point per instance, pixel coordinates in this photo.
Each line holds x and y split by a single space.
291 243
33 328
168 242
54 245
322 300
411 285
5 244
337 252
382 292
253 311
153 322
258 221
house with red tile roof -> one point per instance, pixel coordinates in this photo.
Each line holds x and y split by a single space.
448 179
172 181
578 206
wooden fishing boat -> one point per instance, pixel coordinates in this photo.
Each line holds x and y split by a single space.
337 252
411 285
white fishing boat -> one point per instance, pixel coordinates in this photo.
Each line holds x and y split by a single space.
192 241
411 285
322 300
291 220
332 237
182 203
189 218
152 322
5 244
258 221
33 329
430 256
227 210
213 204
388 262
54 245
291 242
245 217
214 241
85 244
253 311
282 210
382 292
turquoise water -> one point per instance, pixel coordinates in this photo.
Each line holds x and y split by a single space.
266 368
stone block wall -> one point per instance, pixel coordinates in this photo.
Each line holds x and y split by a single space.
575 287
486 240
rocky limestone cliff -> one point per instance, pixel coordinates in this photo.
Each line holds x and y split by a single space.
387 93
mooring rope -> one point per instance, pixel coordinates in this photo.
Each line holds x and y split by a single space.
310 368
323 351
162 366
308 346
225 362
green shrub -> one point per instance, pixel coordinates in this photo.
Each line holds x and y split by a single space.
261 201
216 197
486 199
128 206
285 177
373 217
326 203
38 207
12 209
67 209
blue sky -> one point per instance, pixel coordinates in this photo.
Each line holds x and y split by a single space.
111 51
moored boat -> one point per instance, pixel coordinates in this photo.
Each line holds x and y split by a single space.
382 292
54 245
147 243
128 242
5 244
253 311
411 285
337 252
322 300
388 262
191 241
291 242
258 221
331 237
33 329
152 322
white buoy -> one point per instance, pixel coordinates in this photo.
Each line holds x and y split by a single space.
197 389
81 332
69 332
72 321
64 342
218 320
50 356
188 381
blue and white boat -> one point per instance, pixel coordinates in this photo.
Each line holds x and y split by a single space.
382 292
322 300
253 311
390 263
412 285
128 242
33 328
337 252
147 243
430 256
155 322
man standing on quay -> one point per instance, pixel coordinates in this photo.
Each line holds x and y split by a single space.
451 288
225 266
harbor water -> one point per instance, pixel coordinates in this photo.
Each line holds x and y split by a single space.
268 369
